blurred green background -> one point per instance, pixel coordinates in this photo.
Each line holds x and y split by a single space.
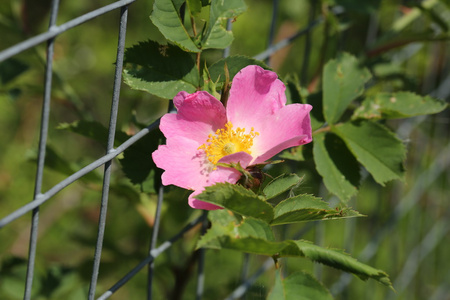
405 48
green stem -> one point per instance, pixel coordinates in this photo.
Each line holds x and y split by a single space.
323 129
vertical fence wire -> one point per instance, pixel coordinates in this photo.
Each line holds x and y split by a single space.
110 145
41 153
201 261
154 240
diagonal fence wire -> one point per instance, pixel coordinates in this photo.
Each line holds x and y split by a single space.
42 198
57 30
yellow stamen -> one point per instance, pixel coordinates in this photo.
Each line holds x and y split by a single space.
228 141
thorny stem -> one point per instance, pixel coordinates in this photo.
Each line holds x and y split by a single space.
198 64
194 31
226 87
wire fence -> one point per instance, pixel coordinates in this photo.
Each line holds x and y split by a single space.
440 165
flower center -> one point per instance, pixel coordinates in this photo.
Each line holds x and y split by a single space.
228 141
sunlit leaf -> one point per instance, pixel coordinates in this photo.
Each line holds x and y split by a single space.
303 208
299 285
336 259
216 35
343 81
195 6
280 185
252 236
166 16
237 199
398 105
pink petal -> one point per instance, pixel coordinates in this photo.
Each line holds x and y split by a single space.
195 203
199 115
184 165
255 94
221 174
288 127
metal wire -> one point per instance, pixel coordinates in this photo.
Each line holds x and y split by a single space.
42 198
405 205
153 254
57 30
41 153
287 41
154 239
110 145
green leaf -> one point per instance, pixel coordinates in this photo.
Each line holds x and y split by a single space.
280 185
216 35
94 130
138 165
195 6
397 105
252 236
294 153
307 208
10 69
223 217
316 114
166 17
299 285
343 81
237 199
277 292
337 166
162 70
255 228
376 148
209 85
234 65
302 285
336 259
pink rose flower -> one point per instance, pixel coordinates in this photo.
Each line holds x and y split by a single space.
255 125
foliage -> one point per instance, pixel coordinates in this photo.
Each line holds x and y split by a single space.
341 144
358 95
